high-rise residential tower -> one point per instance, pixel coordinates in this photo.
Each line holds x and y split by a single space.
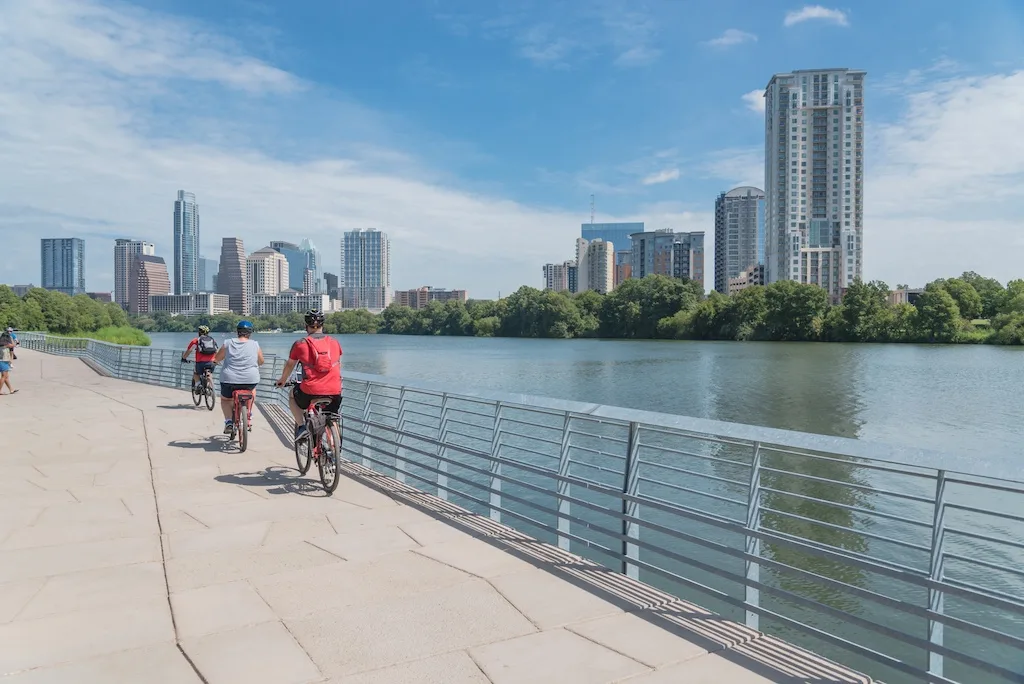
267 271
739 234
688 257
232 279
814 178
62 265
186 243
125 251
595 260
557 276
207 275
366 265
147 277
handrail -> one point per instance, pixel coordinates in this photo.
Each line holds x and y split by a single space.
863 552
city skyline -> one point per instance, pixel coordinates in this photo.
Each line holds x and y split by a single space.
454 164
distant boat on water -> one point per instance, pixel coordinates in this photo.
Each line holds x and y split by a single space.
269 332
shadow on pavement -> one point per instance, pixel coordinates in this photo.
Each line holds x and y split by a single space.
276 480
192 407
215 444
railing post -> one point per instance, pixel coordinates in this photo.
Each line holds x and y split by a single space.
564 525
752 595
496 465
364 445
399 462
936 598
630 508
442 451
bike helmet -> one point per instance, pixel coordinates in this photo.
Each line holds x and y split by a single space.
314 318
244 327
204 330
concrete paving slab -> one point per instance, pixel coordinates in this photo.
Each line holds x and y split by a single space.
550 601
343 585
568 659
73 531
293 530
219 608
202 570
359 546
56 560
450 668
368 637
639 637
430 532
260 654
71 636
125 585
14 596
218 539
476 557
356 520
163 664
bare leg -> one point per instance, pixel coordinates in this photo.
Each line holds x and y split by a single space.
5 379
226 407
297 413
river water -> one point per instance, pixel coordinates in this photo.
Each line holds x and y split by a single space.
963 400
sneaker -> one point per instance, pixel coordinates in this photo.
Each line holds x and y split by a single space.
229 427
300 432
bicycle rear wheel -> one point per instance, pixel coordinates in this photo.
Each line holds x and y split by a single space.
241 426
197 393
330 452
211 400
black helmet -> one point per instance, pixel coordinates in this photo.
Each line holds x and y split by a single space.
314 318
244 327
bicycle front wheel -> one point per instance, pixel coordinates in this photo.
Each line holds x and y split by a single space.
211 399
330 453
304 454
197 394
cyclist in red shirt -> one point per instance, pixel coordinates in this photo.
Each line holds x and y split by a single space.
320 357
206 349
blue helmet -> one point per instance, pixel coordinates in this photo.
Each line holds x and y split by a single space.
244 327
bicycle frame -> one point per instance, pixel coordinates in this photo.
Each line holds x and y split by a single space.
237 398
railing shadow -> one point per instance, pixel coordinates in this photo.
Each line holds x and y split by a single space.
768 657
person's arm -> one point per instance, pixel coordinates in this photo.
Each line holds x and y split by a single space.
188 350
219 356
259 356
289 365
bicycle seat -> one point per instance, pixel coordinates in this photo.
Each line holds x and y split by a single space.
321 401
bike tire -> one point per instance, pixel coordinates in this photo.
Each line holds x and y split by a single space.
304 455
211 399
197 396
330 453
241 428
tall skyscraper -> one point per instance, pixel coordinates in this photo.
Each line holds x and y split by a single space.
814 178
125 251
595 262
557 276
267 271
147 277
314 263
618 234
331 281
301 258
207 275
665 252
366 261
688 257
186 243
739 234
62 262
232 279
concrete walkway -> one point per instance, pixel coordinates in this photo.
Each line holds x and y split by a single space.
136 547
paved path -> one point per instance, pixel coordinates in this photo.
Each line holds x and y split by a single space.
135 547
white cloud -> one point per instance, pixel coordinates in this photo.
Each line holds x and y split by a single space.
816 13
739 166
754 101
663 176
99 127
732 37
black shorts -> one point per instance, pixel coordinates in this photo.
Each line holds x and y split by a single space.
203 366
228 388
302 400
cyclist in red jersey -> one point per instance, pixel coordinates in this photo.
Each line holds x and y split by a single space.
320 357
206 350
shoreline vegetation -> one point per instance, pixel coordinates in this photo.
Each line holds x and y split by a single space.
59 314
970 309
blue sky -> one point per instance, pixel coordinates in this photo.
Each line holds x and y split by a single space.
474 133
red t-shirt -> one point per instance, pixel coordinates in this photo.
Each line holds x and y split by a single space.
199 357
314 383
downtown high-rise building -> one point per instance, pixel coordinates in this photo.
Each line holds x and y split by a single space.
739 234
618 234
814 178
267 273
305 267
62 265
665 252
147 277
559 277
366 269
595 263
232 278
186 243
125 250
207 275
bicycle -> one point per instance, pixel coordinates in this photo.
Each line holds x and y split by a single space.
238 397
322 443
204 390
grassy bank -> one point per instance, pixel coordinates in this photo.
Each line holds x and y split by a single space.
117 335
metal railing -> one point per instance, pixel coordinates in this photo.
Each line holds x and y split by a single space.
904 564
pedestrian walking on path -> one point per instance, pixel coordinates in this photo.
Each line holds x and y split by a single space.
6 354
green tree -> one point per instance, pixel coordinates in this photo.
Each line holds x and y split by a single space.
793 311
967 299
938 317
636 307
992 293
866 314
